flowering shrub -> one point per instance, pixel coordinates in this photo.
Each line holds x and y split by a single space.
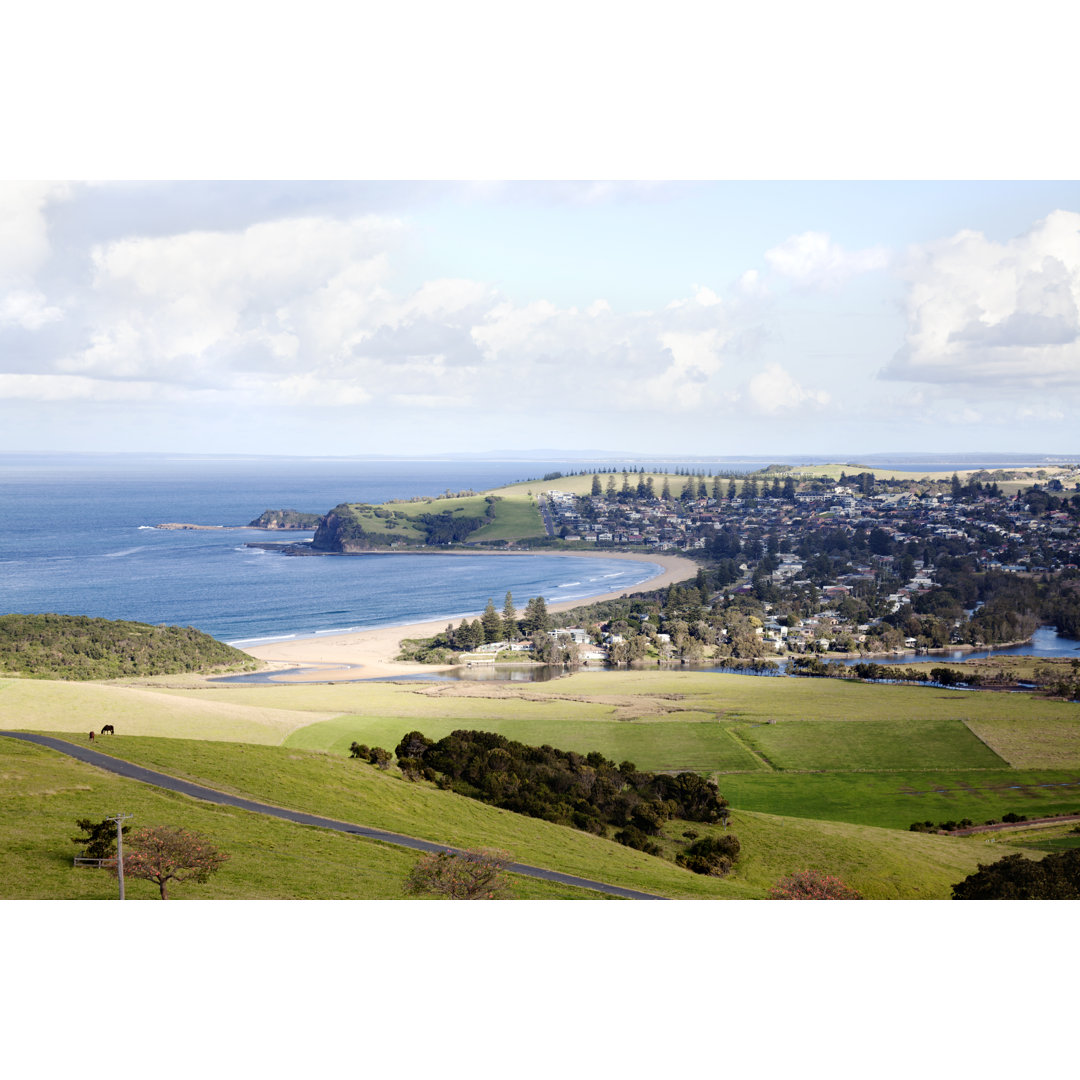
812 885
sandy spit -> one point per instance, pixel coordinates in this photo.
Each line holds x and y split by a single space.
369 654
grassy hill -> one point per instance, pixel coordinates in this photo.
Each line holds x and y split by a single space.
436 521
819 774
45 792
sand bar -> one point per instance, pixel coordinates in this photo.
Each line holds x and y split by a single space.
369 654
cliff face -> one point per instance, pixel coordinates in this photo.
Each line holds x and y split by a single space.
341 531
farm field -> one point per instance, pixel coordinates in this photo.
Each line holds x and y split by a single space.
633 695
693 746
818 773
896 799
881 863
846 746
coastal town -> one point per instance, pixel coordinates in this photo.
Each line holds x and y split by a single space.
852 567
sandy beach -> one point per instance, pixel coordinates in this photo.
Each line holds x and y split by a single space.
369 654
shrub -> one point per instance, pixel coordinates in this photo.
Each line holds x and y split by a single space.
713 855
375 755
100 838
812 885
634 838
460 875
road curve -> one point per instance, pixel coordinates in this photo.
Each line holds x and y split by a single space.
197 791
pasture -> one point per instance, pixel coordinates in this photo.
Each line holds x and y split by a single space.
272 858
44 792
819 773
895 799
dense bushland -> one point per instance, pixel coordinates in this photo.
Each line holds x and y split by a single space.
584 790
77 647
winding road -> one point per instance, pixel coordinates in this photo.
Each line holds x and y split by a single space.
197 791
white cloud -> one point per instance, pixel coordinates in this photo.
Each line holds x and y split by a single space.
995 315
24 229
27 309
301 312
24 250
774 391
813 261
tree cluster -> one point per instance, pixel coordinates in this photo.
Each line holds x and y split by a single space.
1055 877
586 791
78 647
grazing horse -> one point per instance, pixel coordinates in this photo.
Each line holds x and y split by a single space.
91 736
109 728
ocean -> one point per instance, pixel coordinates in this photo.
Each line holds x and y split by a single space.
77 537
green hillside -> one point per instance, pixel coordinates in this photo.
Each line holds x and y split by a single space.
277 859
352 527
77 647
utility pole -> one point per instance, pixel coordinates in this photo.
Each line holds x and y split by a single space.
119 819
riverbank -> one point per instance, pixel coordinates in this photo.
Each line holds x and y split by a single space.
370 654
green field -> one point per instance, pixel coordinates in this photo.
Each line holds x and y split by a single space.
45 792
840 745
695 747
819 774
896 799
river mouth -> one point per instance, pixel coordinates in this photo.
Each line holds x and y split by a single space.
1046 643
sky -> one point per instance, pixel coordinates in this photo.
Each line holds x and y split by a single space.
686 317
748 257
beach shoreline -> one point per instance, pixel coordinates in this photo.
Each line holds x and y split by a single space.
370 653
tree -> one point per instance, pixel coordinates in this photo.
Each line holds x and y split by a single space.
100 839
510 619
596 488
536 618
461 875
164 853
410 754
492 623
812 885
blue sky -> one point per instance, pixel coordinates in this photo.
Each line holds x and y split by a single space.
425 317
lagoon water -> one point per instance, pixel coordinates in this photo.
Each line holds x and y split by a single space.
77 537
